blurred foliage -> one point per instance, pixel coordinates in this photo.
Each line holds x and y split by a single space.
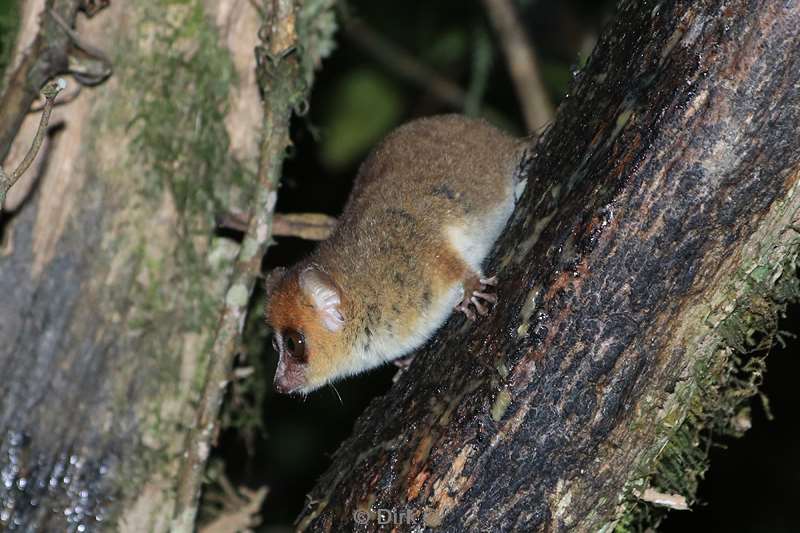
364 105
358 98
481 65
449 47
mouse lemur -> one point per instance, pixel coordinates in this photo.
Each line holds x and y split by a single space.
426 207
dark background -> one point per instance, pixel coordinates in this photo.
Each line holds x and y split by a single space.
753 483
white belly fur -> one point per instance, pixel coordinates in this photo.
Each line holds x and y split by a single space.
385 346
473 241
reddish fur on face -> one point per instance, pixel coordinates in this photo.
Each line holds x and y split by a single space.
290 308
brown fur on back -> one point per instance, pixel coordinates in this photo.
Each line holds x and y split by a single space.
389 253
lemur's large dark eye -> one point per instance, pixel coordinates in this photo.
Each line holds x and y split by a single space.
295 345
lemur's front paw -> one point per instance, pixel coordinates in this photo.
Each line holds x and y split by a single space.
404 362
478 293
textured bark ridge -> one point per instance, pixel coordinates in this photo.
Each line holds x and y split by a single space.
664 190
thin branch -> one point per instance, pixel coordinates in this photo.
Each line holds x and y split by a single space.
50 91
46 58
65 99
522 63
308 226
279 69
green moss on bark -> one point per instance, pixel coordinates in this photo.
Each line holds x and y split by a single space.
179 86
171 176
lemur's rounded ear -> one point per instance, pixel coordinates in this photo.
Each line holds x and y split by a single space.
322 291
272 279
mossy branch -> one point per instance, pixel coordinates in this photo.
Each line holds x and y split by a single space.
283 76
50 91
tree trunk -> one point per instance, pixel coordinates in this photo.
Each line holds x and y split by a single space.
658 227
115 292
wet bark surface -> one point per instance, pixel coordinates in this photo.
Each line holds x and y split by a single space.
52 386
675 147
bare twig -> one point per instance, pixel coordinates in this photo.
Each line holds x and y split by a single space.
50 91
308 226
522 63
662 499
65 99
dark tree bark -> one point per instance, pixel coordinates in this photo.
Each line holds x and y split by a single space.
660 204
